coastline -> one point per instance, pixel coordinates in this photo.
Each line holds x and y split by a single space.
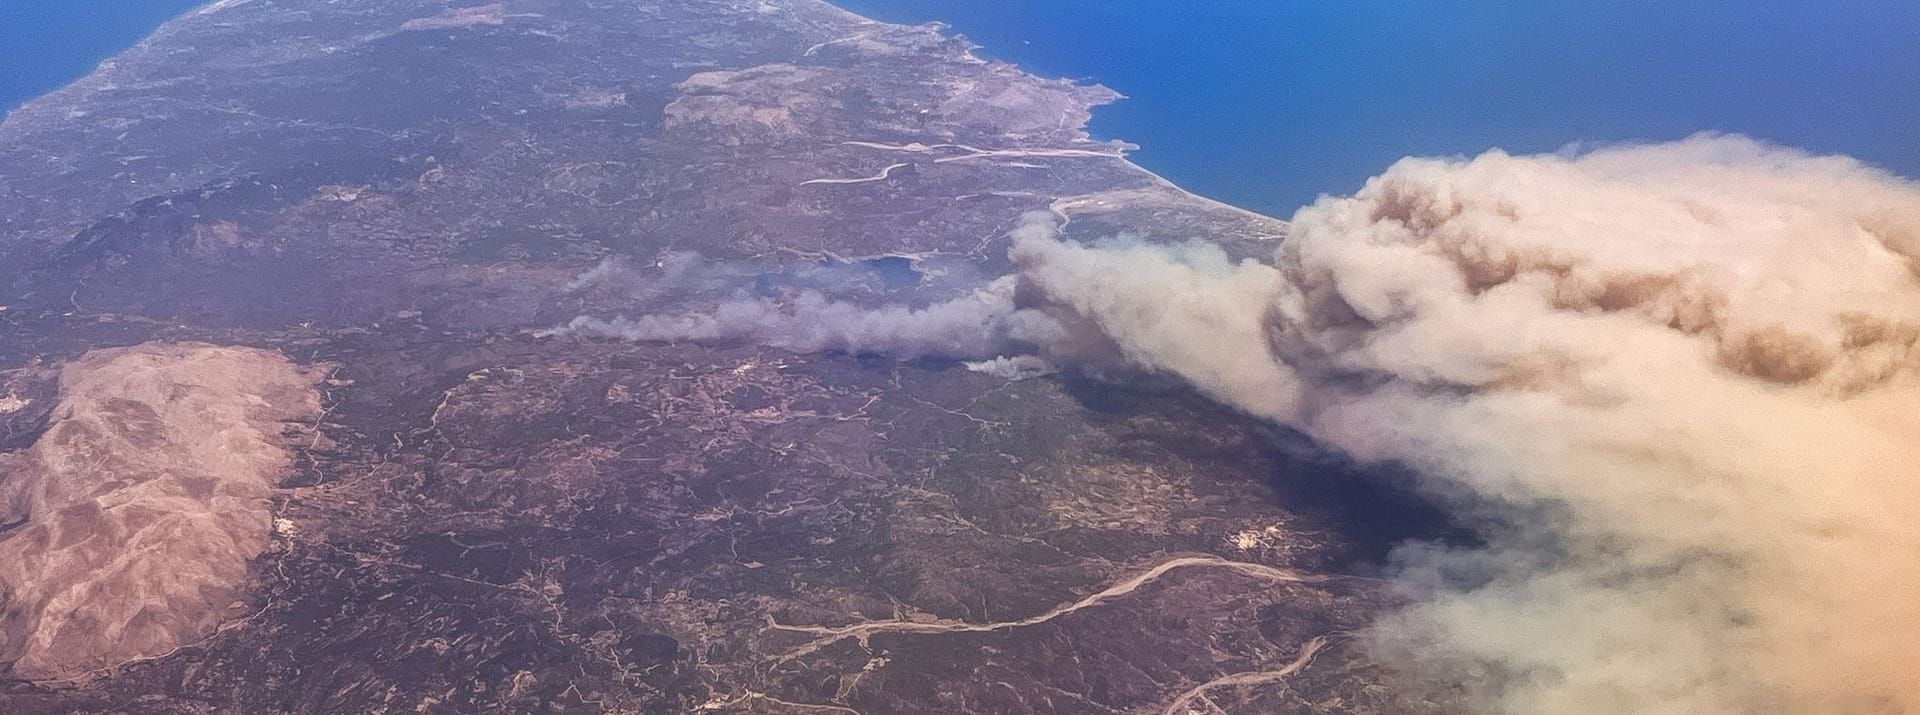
945 29
116 35
30 112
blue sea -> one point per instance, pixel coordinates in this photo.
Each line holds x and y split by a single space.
1268 103
45 44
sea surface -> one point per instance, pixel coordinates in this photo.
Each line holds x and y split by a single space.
46 44
1268 103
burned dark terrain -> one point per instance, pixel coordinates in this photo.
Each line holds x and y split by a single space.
486 517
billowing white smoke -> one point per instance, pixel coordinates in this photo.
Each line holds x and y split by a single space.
1685 374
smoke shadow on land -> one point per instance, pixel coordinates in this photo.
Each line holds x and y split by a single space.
1366 510
1370 509
1135 392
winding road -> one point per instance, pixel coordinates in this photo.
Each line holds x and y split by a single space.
1182 705
863 630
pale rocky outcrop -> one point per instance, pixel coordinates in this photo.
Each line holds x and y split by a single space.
145 501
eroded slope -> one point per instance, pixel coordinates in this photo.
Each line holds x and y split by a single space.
135 516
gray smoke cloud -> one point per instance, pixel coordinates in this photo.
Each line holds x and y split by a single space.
1682 375
981 324
808 305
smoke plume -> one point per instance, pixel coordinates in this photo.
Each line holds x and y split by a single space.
809 306
1683 373
975 325
1676 383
